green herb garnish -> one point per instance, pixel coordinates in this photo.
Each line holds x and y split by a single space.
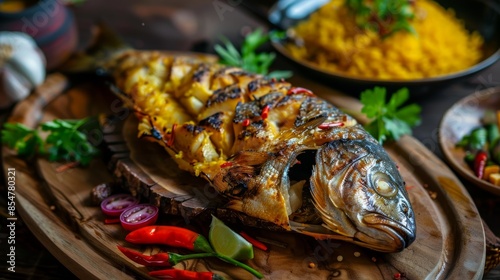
388 120
248 58
65 141
384 16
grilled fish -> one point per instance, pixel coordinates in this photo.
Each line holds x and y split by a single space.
275 151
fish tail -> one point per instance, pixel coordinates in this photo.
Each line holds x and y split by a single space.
105 45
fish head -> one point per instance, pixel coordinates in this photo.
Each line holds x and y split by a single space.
360 194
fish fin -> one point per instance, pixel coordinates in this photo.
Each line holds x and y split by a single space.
297 132
105 44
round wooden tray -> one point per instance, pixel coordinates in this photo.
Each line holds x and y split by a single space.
450 240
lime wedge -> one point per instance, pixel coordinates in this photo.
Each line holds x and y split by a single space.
227 242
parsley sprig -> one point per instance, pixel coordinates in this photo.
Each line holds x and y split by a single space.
248 58
64 141
389 121
384 16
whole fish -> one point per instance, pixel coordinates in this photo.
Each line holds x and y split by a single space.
275 151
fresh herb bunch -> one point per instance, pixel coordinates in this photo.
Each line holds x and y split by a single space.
384 16
248 58
389 121
65 141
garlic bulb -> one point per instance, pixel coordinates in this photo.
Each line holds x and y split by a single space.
22 67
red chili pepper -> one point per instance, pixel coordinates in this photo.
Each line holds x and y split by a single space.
246 122
330 125
226 164
170 141
480 163
184 275
170 259
109 221
254 242
299 90
171 236
265 112
161 259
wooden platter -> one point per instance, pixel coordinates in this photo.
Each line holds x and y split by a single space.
450 240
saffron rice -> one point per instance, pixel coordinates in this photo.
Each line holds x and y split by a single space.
334 42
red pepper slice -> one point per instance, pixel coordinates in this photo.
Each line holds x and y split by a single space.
110 221
299 90
171 137
330 125
171 236
480 163
254 242
246 122
184 275
226 164
265 112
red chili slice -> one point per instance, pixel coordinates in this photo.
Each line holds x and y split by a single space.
330 125
114 205
299 90
226 164
246 122
139 216
265 112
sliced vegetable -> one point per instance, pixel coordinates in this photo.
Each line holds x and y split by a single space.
495 179
480 163
228 243
114 205
139 216
488 170
171 236
184 275
256 243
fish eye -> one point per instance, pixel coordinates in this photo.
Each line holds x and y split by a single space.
383 185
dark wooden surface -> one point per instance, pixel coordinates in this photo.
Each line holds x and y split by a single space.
196 25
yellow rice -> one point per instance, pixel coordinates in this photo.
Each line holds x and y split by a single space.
334 42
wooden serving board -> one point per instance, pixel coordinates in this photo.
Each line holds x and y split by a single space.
450 240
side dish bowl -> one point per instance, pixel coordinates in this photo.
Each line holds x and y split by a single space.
482 16
460 120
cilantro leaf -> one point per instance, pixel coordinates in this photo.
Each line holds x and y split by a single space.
64 141
24 140
248 58
374 101
389 120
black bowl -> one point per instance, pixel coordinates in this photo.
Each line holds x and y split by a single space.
480 15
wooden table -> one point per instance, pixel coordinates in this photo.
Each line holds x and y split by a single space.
196 25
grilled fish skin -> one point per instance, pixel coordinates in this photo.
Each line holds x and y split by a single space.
246 135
